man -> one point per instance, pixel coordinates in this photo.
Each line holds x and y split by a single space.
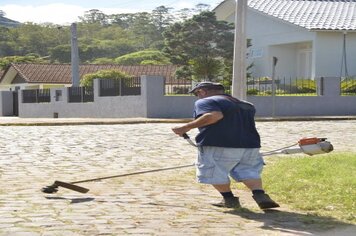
228 144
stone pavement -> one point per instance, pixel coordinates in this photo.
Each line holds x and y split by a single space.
160 203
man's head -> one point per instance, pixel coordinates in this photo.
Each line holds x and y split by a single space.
206 89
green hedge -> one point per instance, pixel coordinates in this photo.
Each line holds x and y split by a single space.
87 80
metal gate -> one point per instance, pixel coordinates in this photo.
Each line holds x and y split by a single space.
15 104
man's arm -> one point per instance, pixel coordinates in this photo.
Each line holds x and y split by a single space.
204 120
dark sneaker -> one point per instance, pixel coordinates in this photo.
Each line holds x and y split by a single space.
264 201
231 202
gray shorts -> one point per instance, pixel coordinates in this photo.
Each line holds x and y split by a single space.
214 165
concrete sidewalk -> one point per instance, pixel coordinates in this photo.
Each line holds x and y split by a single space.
162 203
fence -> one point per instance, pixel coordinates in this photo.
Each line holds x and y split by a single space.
155 105
285 86
36 96
177 86
261 86
80 94
255 86
120 87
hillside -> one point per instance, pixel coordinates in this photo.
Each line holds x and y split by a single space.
8 22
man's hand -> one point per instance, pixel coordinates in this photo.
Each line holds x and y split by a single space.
204 120
180 130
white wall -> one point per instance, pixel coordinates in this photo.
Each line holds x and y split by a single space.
328 53
273 37
287 61
151 103
103 107
304 106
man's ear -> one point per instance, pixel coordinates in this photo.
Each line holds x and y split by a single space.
205 92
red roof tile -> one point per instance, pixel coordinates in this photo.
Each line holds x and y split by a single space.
61 73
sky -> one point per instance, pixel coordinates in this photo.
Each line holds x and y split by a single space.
67 11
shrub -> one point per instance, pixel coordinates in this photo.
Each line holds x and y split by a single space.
348 86
252 91
136 58
280 91
304 86
180 90
103 60
87 80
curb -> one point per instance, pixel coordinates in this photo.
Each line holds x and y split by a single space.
304 118
83 121
15 121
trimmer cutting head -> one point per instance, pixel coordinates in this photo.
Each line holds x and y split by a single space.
54 187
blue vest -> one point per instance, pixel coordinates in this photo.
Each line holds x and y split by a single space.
236 129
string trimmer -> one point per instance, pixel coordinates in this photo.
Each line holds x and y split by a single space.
309 146
54 187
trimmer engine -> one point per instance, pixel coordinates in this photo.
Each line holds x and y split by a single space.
311 146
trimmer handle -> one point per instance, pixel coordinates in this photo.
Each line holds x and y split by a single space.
186 137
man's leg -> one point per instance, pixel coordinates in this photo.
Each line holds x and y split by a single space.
229 200
253 184
262 199
222 188
248 171
214 167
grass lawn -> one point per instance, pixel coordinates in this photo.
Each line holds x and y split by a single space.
324 185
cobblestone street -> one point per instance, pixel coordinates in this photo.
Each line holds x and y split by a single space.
161 203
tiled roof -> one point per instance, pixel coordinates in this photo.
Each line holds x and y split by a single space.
311 14
61 73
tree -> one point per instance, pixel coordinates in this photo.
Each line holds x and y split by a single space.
201 45
201 7
184 14
143 57
5 39
94 16
34 38
6 61
124 20
162 18
145 30
61 53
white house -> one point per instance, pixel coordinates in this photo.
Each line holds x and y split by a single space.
310 38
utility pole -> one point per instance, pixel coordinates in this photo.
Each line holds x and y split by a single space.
74 56
239 87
